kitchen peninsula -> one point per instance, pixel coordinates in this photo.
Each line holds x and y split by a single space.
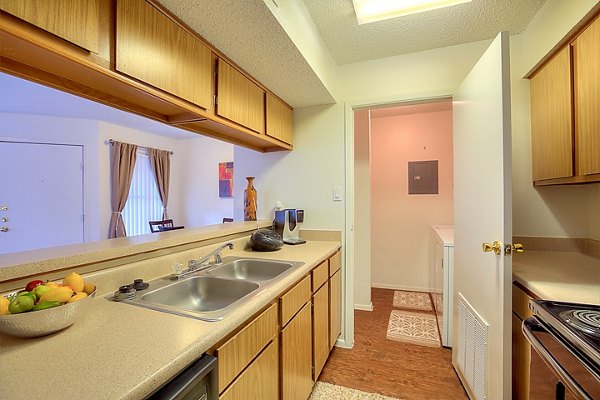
119 351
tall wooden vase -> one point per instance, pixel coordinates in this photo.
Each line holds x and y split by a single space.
250 201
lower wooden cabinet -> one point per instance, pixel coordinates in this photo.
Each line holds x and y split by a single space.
280 353
260 380
521 349
320 322
239 351
335 307
296 356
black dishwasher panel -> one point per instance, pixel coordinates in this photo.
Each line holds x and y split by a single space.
196 382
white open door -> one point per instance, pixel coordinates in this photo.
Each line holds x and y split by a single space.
481 344
41 195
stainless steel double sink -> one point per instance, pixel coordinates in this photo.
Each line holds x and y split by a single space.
213 293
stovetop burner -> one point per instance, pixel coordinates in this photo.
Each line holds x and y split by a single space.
587 321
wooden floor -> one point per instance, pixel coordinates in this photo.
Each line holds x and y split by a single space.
391 368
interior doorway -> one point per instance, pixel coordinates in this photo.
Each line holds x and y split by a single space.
42 195
392 228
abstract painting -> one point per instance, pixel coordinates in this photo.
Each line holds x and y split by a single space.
226 179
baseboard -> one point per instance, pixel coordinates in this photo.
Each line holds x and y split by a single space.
402 287
343 344
364 307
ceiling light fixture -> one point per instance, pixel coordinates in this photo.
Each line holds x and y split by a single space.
377 10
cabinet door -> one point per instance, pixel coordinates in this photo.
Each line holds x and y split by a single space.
521 356
335 307
586 62
235 354
154 49
260 380
296 357
551 120
239 99
320 329
279 119
76 21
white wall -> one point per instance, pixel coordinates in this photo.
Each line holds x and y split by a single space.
303 178
362 203
419 75
200 203
400 235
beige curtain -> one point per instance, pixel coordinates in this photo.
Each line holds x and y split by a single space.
123 157
160 162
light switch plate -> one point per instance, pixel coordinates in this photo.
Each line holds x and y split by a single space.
337 193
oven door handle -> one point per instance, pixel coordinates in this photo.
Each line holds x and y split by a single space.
529 328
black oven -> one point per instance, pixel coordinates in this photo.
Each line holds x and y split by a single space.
565 356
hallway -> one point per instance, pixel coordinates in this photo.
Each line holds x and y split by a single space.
390 368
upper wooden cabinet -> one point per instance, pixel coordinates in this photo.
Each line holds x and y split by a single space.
551 120
136 56
154 49
565 123
279 119
239 99
586 63
77 21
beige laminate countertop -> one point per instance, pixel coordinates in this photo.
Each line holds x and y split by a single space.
120 351
560 276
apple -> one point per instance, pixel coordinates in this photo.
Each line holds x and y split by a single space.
32 285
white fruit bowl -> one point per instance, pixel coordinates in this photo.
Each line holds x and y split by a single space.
44 322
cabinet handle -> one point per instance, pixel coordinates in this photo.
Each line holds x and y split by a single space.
4 229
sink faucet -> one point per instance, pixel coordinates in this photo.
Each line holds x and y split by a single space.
201 264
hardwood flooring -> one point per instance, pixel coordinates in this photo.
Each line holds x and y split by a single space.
379 365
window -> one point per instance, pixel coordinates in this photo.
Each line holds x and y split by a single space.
143 203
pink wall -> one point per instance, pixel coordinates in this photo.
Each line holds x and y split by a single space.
400 223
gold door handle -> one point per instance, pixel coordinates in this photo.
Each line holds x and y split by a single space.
513 248
496 247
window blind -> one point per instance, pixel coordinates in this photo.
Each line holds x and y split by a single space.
143 203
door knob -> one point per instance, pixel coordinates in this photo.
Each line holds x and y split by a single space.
4 229
3 219
513 248
496 247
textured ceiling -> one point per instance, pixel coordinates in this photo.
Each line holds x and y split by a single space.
247 32
349 42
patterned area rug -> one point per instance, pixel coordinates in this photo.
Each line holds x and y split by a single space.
412 300
411 327
327 391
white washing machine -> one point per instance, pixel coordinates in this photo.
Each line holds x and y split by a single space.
442 271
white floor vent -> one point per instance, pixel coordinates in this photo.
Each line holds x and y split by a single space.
472 348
